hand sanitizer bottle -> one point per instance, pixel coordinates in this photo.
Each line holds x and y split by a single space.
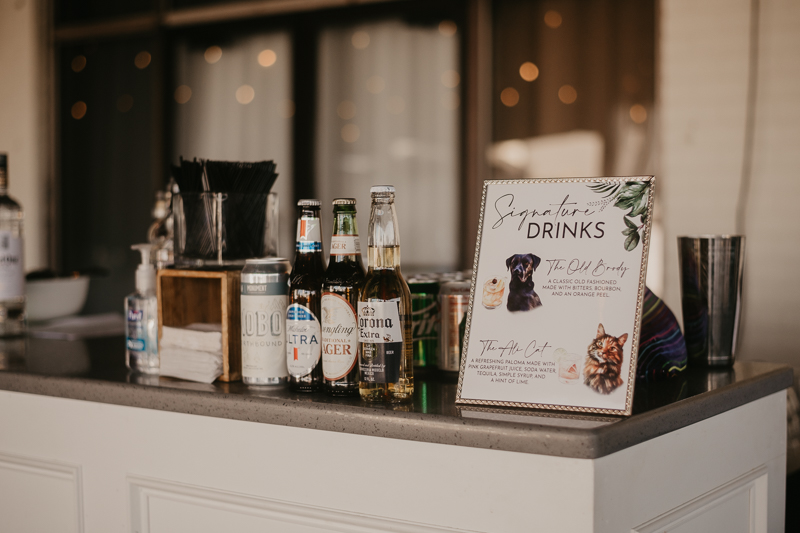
141 318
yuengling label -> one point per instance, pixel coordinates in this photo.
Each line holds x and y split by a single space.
339 336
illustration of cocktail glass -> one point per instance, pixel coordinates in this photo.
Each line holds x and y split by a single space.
493 292
569 365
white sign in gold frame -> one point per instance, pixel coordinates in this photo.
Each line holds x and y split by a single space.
557 289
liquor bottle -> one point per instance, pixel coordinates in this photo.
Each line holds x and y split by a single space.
303 332
12 271
343 282
384 310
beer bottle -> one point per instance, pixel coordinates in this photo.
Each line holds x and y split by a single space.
384 310
343 281
303 334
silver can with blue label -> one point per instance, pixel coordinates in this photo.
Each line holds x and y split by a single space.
265 297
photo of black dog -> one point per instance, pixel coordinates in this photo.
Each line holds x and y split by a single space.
521 296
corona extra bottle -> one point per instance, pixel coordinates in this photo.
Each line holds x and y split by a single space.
384 310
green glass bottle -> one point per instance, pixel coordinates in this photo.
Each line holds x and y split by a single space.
344 280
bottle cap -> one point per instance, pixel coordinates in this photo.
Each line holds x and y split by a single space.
3 160
381 189
308 203
344 201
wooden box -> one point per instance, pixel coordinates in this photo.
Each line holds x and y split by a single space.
189 296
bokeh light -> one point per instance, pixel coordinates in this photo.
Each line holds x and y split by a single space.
142 59
447 28
213 54
267 58
346 110
182 94
350 133
78 110
638 113
78 63
567 94
528 71
553 19
509 97
360 40
245 94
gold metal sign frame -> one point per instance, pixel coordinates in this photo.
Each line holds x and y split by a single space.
599 185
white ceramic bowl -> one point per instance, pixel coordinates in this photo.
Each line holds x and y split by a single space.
54 298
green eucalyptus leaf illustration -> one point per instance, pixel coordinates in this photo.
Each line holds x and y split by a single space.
637 186
639 207
602 188
624 203
632 196
632 241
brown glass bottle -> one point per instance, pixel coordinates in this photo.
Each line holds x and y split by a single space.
343 282
303 331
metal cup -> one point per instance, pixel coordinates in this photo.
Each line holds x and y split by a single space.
711 294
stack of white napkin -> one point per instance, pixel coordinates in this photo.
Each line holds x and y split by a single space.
193 353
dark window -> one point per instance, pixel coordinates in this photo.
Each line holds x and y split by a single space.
78 11
573 77
341 98
108 146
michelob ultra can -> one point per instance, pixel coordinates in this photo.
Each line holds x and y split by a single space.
424 319
265 297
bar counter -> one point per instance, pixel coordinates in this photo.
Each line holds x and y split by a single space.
94 370
85 447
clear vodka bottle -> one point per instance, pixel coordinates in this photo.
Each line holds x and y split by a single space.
12 270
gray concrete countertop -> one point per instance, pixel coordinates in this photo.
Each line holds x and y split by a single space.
94 370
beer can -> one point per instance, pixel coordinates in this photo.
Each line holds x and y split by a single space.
265 297
424 319
453 303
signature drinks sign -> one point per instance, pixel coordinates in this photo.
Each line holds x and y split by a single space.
558 281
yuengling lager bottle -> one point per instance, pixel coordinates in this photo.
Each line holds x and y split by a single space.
303 333
384 310
343 282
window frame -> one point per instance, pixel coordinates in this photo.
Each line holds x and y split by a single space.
304 20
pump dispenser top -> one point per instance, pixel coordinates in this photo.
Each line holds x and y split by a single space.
145 272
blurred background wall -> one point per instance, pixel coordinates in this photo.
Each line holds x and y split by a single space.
703 79
24 120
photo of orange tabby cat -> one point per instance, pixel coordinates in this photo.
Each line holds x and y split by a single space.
604 362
